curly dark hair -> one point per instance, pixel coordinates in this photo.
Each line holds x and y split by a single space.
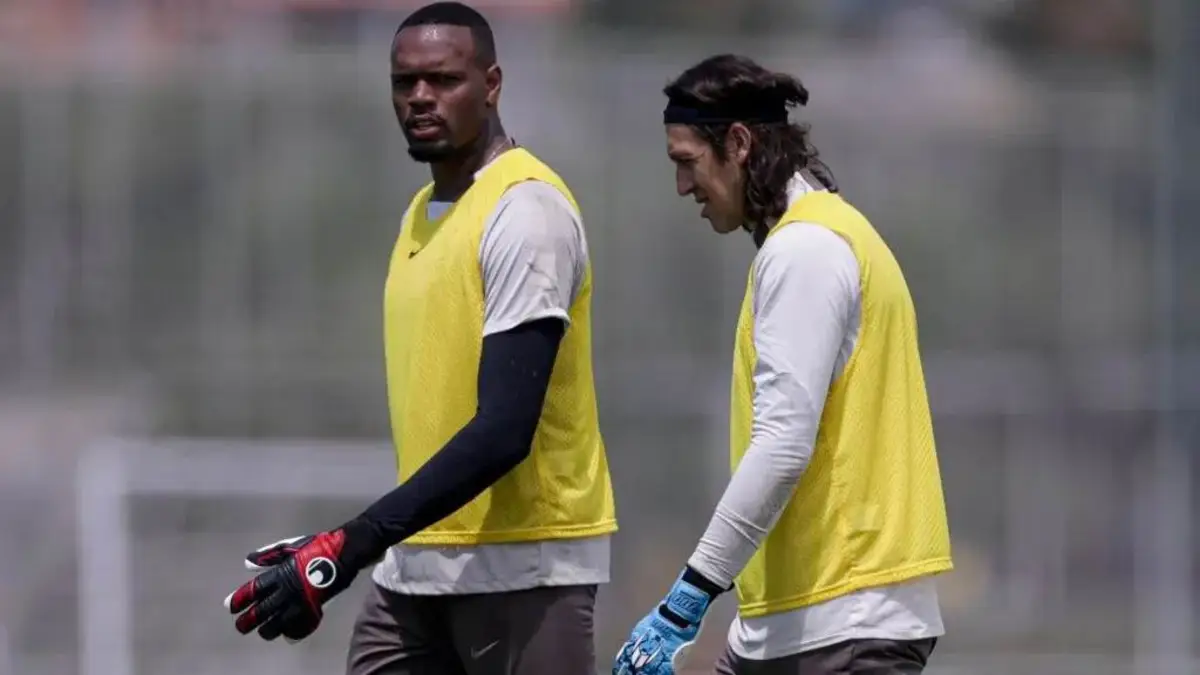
779 149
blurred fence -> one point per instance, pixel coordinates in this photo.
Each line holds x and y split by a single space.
194 247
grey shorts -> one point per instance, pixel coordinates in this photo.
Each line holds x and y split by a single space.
853 657
541 631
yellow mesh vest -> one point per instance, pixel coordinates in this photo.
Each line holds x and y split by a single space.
869 509
433 328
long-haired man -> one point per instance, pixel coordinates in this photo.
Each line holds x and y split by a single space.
833 524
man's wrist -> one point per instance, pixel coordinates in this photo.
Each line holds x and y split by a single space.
362 544
690 599
691 576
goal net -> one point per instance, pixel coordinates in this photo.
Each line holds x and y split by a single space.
163 526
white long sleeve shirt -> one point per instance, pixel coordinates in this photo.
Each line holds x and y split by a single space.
807 305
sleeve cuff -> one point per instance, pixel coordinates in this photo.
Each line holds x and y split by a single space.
695 578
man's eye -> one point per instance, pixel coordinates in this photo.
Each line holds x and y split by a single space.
436 80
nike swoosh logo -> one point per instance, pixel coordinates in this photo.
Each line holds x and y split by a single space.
476 653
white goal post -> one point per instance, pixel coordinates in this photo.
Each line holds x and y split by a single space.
113 471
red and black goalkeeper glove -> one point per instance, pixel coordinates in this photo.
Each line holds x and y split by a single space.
300 576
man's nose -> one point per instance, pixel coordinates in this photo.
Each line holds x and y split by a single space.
683 183
421 93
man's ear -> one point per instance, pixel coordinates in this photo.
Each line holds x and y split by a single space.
494 80
738 141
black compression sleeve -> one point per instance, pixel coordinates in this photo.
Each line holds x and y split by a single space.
514 373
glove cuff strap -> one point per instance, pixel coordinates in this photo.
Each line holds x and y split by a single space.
686 603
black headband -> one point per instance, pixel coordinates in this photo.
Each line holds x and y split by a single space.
676 113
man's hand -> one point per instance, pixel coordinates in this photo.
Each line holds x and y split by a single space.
300 576
661 639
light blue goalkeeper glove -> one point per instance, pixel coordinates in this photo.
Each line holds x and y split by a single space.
659 642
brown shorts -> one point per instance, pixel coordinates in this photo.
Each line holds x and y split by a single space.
853 657
541 631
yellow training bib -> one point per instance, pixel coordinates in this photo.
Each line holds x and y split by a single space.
433 335
869 509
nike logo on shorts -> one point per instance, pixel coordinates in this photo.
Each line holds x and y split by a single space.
476 653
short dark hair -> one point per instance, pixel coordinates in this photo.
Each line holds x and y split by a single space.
457 14
780 148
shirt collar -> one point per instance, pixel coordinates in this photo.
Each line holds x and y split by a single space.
796 188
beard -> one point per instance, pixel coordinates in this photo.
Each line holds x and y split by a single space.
427 152
430 151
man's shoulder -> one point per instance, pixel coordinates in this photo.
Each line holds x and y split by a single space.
536 196
803 255
528 170
532 188
797 241
538 167
534 214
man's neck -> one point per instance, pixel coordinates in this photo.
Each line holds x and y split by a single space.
801 183
451 178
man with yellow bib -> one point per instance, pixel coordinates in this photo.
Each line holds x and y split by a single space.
497 537
833 524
